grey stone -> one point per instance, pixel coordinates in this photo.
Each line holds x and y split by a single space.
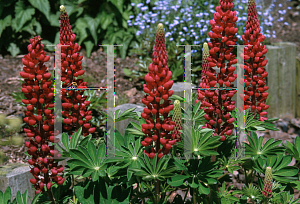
121 125
283 125
17 176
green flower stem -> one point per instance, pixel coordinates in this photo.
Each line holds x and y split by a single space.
194 196
222 176
246 177
73 183
188 189
140 186
253 175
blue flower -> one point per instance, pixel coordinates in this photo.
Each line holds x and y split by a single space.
211 6
289 7
286 23
132 4
280 5
180 33
139 5
185 29
182 39
130 17
144 8
171 39
205 3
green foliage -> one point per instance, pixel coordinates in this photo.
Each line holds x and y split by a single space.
88 161
5 198
255 149
93 22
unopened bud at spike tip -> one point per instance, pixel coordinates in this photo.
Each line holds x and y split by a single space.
62 9
160 29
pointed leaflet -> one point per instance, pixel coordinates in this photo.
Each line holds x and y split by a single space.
7 195
92 152
79 155
177 180
87 155
65 141
75 138
43 6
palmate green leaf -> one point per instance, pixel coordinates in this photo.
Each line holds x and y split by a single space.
22 14
43 6
177 180
281 172
256 149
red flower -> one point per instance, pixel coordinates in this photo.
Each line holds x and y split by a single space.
38 91
255 90
71 69
218 103
157 88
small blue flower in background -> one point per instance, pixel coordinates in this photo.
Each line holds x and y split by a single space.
139 5
180 33
185 29
171 39
132 4
289 7
205 3
144 8
286 23
148 1
280 5
182 39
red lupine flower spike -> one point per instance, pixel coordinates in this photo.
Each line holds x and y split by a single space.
73 100
38 91
255 94
157 87
267 192
218 103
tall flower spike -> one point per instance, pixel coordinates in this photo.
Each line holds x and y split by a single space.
38 90
74 104
205 78
255 94
177 118
157 88
268 183
218 103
